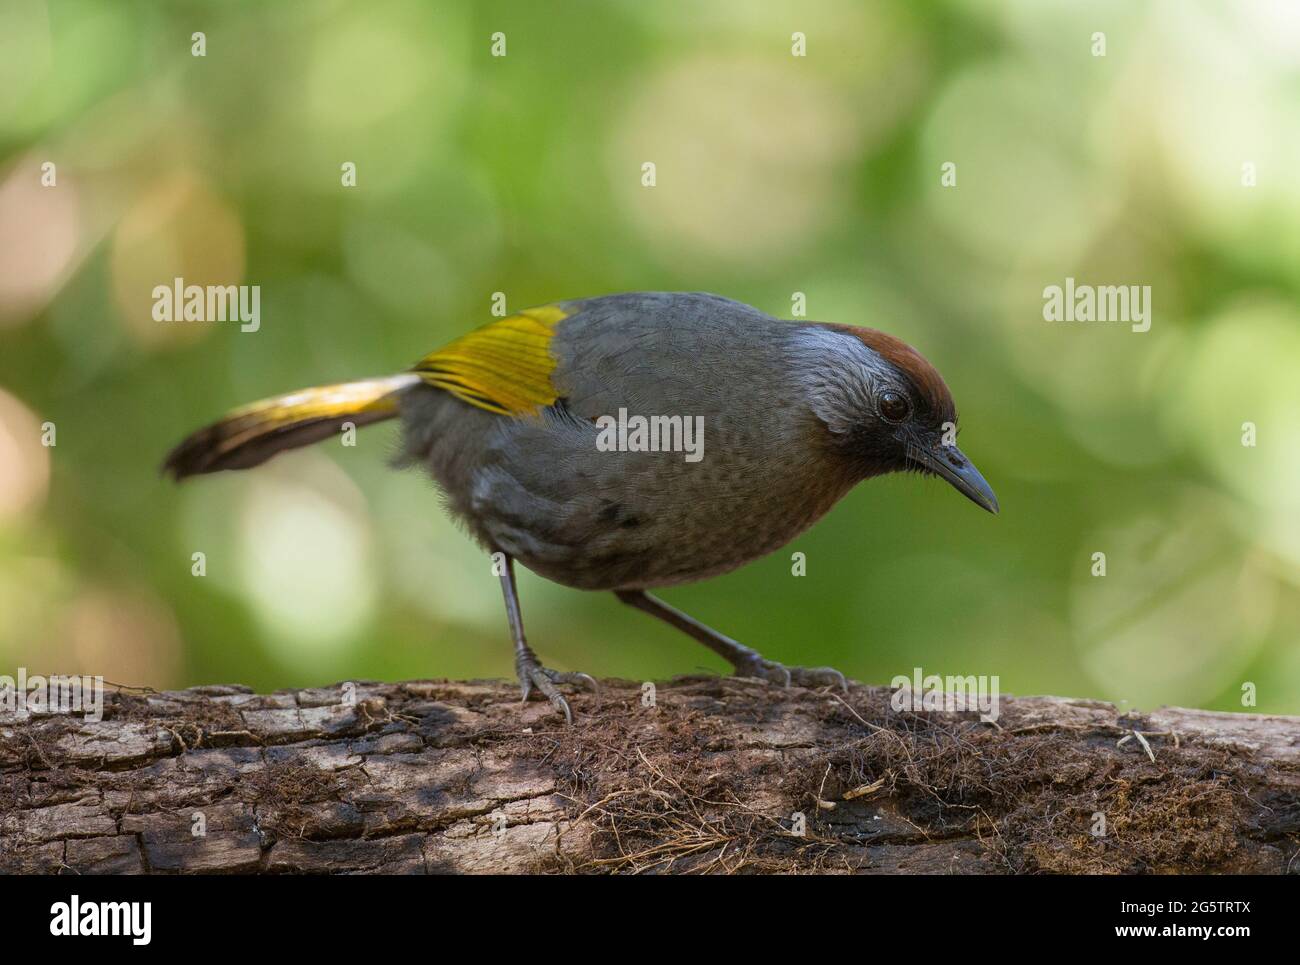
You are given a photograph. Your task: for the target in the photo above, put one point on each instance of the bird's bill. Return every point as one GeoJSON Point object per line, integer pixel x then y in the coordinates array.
{"type": "Point", "coordinates": [951, 463]}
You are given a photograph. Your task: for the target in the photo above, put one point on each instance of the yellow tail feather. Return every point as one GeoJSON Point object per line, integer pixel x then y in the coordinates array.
{"type": "Point", "coordinates": [252, 434]}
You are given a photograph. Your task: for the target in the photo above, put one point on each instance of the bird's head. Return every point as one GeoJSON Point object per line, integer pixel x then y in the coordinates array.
{"type": "Point", "coordinates": [885, 408]}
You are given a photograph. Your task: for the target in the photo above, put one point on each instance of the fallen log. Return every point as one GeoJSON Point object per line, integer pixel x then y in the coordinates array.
{"type": "Point", "coordinates": [699, 774]}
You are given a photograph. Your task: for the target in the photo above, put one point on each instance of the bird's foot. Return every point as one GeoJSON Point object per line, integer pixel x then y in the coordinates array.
{"type": "Point", "coordinates": [533, 674]}
{"type": "Point", "coordinates": [784, 676]}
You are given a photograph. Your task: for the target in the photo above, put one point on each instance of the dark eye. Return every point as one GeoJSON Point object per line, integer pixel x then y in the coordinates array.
{"type": "Point", "coordinates": [894, 407]}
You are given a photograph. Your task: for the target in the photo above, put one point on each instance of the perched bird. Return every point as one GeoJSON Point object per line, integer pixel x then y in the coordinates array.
{"type": "Point", "coordinates": [516, 422]}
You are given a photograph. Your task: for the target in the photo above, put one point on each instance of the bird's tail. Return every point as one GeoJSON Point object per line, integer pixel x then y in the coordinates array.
{"type": "Point", "coordinates": [250, 435]}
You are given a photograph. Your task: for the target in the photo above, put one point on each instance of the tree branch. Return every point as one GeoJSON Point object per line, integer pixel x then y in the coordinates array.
{"type": "Point", "coordinates": [460, 777]}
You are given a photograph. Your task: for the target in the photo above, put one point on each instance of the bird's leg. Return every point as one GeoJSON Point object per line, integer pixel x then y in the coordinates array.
{"type": "Point", "coordinates": [748, 663]}
{"type": "Point", "coordinates": [527, 666]}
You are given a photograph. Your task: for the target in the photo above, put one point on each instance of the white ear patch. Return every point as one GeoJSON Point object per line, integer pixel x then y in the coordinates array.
{"type": "Point", "coordinates": [840, 376]}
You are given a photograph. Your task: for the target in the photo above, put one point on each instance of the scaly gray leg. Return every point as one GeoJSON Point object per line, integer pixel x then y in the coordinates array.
{"type": "Point", "coordinates": [748, 663]}
{"type": "Point", "coordinates": [529, 669]}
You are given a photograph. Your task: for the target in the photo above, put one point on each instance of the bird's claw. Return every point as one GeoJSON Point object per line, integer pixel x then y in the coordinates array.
{"type": "Point", "coordinates": [818, 677]}
{"type": "Point", "coordinates": [784, 676]}
{"type": "Point", "coordinates": [532, 674]}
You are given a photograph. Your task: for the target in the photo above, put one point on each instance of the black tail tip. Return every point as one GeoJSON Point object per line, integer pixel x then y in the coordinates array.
{"type": "Point", "coordinates": [193, 457]}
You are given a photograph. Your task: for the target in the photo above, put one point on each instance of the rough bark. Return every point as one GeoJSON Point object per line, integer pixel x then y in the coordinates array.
{"type": "Point", "coordinates": [460, 777]}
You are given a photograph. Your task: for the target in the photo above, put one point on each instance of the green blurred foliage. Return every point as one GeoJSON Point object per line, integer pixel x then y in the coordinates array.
{"type": "Point", "coordinates": [776, 174]}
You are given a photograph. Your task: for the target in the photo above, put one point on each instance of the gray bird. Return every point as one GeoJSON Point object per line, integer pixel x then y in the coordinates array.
{"type": "Point", "coordinates": [635, 441]}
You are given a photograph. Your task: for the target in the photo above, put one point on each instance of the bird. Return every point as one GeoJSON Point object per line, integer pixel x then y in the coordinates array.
{"type": "Point", "coordinates": [534, 427]}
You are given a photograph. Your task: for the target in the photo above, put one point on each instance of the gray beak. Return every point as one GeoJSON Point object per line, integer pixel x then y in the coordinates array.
{"type": "Point", "coordinates": [951, 463]}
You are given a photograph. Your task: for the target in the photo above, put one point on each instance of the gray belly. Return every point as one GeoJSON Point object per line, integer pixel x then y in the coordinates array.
{"type": "Point", "coordinates": [542, 491]}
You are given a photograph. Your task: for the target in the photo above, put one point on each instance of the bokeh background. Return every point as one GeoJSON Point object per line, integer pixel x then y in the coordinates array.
{"type": "Point", "coordinates": [775, 174]}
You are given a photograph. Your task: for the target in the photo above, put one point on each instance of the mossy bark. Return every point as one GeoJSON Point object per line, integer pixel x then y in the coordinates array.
{"type": "Point", "coordinates": [714, 774]}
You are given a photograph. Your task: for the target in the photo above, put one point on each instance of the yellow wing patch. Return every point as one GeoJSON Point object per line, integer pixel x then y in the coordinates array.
{"type": "Point", "coordinates": [504, 367]}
